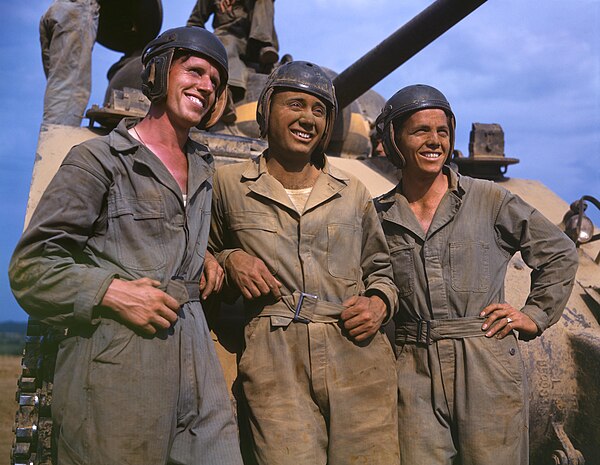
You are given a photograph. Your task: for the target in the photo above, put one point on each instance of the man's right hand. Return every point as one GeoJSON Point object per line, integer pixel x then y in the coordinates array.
{"type": "Point", "coordinates": [141, 305]}
{"type": "Point", "coordinates": [251, 275]}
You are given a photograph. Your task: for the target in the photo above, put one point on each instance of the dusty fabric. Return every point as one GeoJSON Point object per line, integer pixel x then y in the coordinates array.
{"type": "Point", "coordinates": [314, 396]}
{"type": "Point", "coordinates": [114, 210]}
{"type": "Point", "coordinates": [67, 35]}
{"type": "Point", "coordinates": [248, 19]}
{"type": "Point", "coordinates": [463, 399]}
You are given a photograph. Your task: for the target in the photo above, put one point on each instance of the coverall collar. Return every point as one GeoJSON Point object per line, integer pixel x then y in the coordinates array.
{"type": "Point", "coordinates": [330, 182]}
{"type": "Point", "coordinates": [199, 159]}
{"type": "Point", "coordinates": [401, 214]}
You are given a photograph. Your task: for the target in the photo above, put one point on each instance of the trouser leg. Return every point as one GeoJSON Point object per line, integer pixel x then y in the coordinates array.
{"type": "Point", "coordinates": [361, 384]}
{"type": "Point", "coordinates": [463, 401]}
{"type": "Point", "coordinates": [235, 48]}
{"type": "Point", "coordinates": [67, 35]}
{"type": "Point", "coordinates": [262, 26]}
{"type": "Point", "coordinates": [287, 425]}
{"type": "Point", "coordinates": [424, 429]}
{"type": "Point", "coordinates": [114, 404]}
{"type": "Point", "coordinates": [125, 399]}
{"type": "Point", "coordinates": [491, 403]}
{"type": "Point", "coordinates": [206, 433]}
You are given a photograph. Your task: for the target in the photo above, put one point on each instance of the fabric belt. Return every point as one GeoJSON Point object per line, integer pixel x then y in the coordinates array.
{"type": "Point", "coordinates": [183, 291]}
{"type": "Point", "coordinates": [430, 331]}
{"type": "Point", "coordinates": [304, 308]}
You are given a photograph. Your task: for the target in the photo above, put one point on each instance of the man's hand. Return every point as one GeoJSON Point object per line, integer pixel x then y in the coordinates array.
{"type": "Point", "coordinates": [141, 305]}
{"type": "Point", "coordinates": [212, 276]}
{"type": "Point", "coordinates": [363, 316]}
{"type": "Point", "coordinates": [251, 275]}
{"type": "Point", "coordinates": [503, 318]}
{"type": "Point", "coordinates": [225, 6]}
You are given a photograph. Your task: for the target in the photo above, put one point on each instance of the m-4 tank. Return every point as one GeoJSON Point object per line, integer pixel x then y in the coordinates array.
{"type": "Point", "coordinates": [563, 365]}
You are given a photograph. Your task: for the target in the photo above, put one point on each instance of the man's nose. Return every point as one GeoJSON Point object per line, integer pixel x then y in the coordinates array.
{"type": "Point", "coordinates": [433, 139]}
{"type": "Point", "coordinates": [205, 84]}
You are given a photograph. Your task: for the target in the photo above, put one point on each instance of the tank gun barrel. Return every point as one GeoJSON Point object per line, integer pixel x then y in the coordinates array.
{"type": "Point", "coordinates": [392, 52]}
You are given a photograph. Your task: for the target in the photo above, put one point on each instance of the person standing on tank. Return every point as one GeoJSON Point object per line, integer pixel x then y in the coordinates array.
{"type": "Point", "coordinates": [463, 394]}
{"type": "Point", "coordinates": [68, 31]}
{"type": "Point", "coordinates": [246, 28]}
{"type": "Point", "coordinates": [115, 254]}
{"type": "Point", "coordinates": [300, 240]}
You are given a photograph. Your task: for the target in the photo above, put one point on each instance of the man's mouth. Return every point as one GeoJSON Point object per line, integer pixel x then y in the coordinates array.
{"type": "Point", "coordinates": [195, 100]}
{"type": "Point", "coordinates": [302, 134]}
{"type": "Point", "coordinates": [431, 155]}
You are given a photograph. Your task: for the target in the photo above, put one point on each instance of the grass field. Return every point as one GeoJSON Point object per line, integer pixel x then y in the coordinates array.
{"type": "Point", "coordinates": [10, 369]}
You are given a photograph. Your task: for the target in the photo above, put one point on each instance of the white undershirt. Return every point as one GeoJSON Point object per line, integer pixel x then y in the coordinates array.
{"type": "Point", "coordinates": [299, 197]}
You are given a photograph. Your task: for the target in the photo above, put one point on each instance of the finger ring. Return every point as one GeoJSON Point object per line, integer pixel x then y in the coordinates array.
{"type": "Point", "coordinates": [509, 320]}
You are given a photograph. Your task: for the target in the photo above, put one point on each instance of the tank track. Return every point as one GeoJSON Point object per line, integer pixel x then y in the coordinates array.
{"type": "Point", "coordinates": [32, 429]}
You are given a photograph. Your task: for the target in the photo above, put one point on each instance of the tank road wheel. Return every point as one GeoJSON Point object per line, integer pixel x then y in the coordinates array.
{"type": "Point", "coordinates": [32, 444]}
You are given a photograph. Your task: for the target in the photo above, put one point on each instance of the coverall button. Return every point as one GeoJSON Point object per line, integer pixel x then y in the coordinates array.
{"type": "Point", "coordinates": [512, 351]}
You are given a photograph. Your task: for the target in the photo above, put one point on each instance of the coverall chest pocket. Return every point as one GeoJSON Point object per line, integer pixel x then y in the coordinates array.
{"type": "Point", "coordinates": [138, 226]}
{"type": "Point", "coordinates": [343, 251]}
{"type": "Point", "coordinates": [470, 266]}
{"type": "Point", "coordinates": [256, 233]}
{"type": "Point", "coordinates": [404, 268]}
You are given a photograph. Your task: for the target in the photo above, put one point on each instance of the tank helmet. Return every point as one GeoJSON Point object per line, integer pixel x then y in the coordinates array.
{"type": "Point", "coordinates": [305, 77]}
{"type": "Point", "coordinates": [400, 106]}
{"type": "Point", "coordinates": [158, 55]}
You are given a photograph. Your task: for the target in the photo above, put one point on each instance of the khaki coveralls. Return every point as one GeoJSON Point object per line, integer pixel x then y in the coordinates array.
{"type": "Point", "coordinates": [114, 210]}
{"type": "Point", "coordinates": [463, 397]}
{"type": "Point", "coordinates": [314, 396]}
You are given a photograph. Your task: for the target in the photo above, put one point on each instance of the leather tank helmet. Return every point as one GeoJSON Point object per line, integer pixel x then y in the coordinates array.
{"type": "Point", "coordinates": [400, 106]}
{"type": "Point", "coordinates": [304, 77]}
{"type": "Point", "coordinates": [158, 56]}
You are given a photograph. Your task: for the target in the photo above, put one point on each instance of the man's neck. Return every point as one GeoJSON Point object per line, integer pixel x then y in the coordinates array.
{"type": "Point", "coordinates": [424, 195]}
{"type": "Point", "coordinates": [159, 130]}
{"type": "Point", "coordinates": [167, 142]}
{"type": "Point", "coordinates": [292, 175]}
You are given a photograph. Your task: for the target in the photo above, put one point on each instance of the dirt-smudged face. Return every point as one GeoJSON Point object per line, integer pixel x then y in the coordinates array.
{"type": "Point", "coordinates": [193, 82]}
{"type": "Point", "coordinates": [297, 122]}
{"type": "Point", "coordinates": [424, 140]}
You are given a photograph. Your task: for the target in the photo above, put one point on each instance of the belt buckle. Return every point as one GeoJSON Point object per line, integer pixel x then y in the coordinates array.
{"type": "Point", "coordinates": [427, 331]}
{"type": "Point", "coordinates": [299, 308]}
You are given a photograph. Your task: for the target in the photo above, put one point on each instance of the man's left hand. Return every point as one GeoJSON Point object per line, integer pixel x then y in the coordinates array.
{"type": "Point", "coordinates": [503, 318]}
{"type": "Point", "coordinates": [363, 316]}
{"type": "Point", "coordinates": [212, 276]}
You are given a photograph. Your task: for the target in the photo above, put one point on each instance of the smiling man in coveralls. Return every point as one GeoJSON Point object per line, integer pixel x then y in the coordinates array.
{"type": "Point", "coordinates": [462, 390]}
{"type": "Point", "coordinates": [300, 239]}
{"type": "Point", "coordinates": [115, 253]}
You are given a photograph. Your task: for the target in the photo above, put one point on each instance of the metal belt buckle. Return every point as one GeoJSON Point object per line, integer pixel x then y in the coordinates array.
{"type": "Point", "coordinates": [427, 330]}
{"type": "Point", "coordinates": [299, 307]}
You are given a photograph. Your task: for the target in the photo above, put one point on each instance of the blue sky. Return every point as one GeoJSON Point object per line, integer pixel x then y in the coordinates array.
{"type": "Point", "coordinates": [532, 66]}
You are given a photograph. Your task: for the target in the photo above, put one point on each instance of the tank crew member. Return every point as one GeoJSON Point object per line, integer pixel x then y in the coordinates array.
{"type": "Point", "coordinates": [462, 392]}
{"type": "Point", "coordinates": [300, 239]}
{"type": "Point", "coordinates": [246, 28]}
{"type": "Point", "coordinates": [115, 253]}
{"type": "Point", "coordinates": [67, 35]}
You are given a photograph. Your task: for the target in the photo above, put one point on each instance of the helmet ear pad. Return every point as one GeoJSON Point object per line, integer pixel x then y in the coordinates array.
{"type": "Point", "coordinates": [215, 113]}
{"type": "Point", "coordinates": [388, 140]}
{"type": "Point", "coordinates": [155, 76]}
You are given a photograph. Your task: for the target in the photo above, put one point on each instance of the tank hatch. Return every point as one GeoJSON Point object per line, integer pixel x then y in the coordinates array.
{"type": "Point", "coordinates": [486, 153]}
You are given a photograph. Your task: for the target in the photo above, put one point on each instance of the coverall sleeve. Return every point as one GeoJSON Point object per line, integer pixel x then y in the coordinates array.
{"type": "Point", "coordinates": [546, 250]}
{"type": "Point", "coordinates": [375, 261]}
{"type": "Point", "coordinates": [201, 13]}
{"type": "Point", "coordinates": [218, 242]}
{"type": "Point", "coordinates": [51, 275]}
